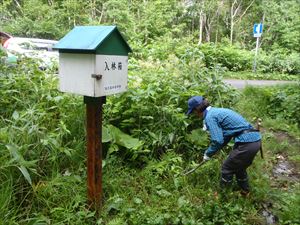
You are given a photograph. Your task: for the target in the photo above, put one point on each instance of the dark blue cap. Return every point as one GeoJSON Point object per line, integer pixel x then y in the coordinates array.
{"type": "Point", "coordinates": [193, 102]}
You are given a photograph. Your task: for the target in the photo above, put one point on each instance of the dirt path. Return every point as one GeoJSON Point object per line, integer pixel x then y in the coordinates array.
{"type": "Point", "coordinates": [240, 84]}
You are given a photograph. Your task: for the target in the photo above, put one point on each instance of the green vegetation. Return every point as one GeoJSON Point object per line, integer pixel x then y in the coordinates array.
{"type": "Point", "coordinates": [147, 139]}
{"type": "Point", "coordinates": [216, 32]}
{"type": "Point", "coordinates": [148, 144]}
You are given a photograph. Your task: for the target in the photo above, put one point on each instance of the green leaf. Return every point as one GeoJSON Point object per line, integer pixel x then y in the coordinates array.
{"type": "Point", "coordinates": [182, 201]}
{"type": "Point", "coordinates": [15, 153]}
{"type": "Point", "coordinates": [123, 139]}
{"type": "Point", "coordinates": [15, 115]}
{"type": "Point", "coordinates": [115, 205]}
{"type": "Point", "coordinates": [163, 193]}
{"type": "Point", "coordinates": [18, 158]}
{"type": "Point", "coordinates": [113, 148]}
{"type": "Point", "coordinates": [137, 200]}
{"type": "Point", "coordinates": [106, 136]}
{"type": "Point", "coordinates": [25, 173]}
{"type": "Point", "coordinates": [198, 137]}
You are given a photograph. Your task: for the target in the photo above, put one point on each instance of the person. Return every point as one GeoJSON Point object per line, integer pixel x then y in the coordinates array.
{"type": "Point", "coordinates": [223, 125]}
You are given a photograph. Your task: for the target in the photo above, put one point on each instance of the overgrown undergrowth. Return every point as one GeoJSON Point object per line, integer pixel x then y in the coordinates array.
{"type": "Point", "coordinates": [148, 144]}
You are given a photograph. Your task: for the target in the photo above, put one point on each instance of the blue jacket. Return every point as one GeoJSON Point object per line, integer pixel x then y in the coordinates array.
{"type": "Point", "coordinates": [224, 124]}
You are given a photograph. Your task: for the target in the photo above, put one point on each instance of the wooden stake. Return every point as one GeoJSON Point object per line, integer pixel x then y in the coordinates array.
{"type": "Point", "coordinates": [94, 150]}
{"type": "Point", "coordinates": [258, 128]}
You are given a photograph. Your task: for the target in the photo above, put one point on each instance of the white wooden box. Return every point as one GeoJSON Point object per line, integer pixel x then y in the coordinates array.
{"type": "Point", "coordinates": [78, 72]}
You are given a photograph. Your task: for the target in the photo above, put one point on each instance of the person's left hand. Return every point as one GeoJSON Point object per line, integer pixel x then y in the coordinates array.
{"type": "Point", "coordinates": [206, 157]}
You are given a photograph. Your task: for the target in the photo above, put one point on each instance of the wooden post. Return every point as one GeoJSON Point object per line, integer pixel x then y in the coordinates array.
{"type": "Point", "coordinates": [94, 149]}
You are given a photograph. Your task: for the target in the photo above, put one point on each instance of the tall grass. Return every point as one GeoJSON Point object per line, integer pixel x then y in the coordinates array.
{"type": "Point", "coordinates": [42, 151]}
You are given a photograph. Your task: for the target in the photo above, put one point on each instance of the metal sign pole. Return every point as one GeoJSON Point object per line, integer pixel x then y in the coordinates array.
{"type": "Point", "coordinates": [257, 32]}
{"type": "Point", "coordinates": [94, 150]}
{"type": "Point", "coordinates": [256, 53]}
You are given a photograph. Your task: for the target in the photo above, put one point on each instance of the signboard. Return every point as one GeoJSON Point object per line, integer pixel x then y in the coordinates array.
{"type": "Point", "coordinates": [93, 62]}
{"type": "Point", "coordinates": [76, 73]}
{"type": "Point", "coordinates": [257, 29]}
{"type": "Point", "coordinates": [114, 74]}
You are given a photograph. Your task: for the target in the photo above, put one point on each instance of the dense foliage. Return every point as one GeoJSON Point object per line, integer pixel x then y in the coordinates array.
{"type": "Point", "coordinates": [217, 31]}
{"type": "Point", "coordinates": [145, 21]}
{"type": "Point", "coordinates": [148, 143]}
{"type": "Point", "coordinates": [180, 49]}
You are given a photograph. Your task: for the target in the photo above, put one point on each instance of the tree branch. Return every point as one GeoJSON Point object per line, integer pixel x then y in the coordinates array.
{"type": "Point", "coordinates": [245, 11]}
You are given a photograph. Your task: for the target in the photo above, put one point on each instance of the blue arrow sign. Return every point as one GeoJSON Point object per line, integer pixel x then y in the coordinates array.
{"type": "Point", "coordinates": [257, 29]}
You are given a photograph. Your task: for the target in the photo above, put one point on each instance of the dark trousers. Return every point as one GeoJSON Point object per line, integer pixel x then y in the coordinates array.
{"type": "Point", "coordinates": [239, 159]}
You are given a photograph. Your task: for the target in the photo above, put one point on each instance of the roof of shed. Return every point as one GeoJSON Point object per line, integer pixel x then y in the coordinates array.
{"type": "Point", "coordinates": [88, 38]}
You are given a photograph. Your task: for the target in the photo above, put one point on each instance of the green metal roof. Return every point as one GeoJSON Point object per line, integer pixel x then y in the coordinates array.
{"type": "Point", "coordinates": [90, 39]}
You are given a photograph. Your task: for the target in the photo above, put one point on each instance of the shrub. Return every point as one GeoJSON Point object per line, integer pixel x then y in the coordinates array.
{"type": "Point", "coordinates": [154, 108]}
{"type": "Point", "coordinates": [279, 61]}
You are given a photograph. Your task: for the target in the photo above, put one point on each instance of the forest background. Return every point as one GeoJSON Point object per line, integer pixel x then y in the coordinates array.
{"type": "Point", "coordinates": [158, 28]}
{"type": "Point", "coordinates": [180, 49]}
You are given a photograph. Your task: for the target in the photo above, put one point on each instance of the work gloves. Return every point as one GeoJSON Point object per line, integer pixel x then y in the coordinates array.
{"type": "Point", "coordinates": [206, 157]}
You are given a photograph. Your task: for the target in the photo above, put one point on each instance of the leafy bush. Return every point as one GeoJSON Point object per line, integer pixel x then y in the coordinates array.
{"type": "Point", "coordinates": [231, 57]}
{"type": "Point", "coordinates": [148, 138]}
{"type": "Point", "coordinates": [153, 110]}
{"type": "Point", "coordinates": [288, 207]}
{"type": "Point", "coordinates": [42, 130]}
{"type": "Point", "coordinates": [275, 103]}
{"type": "Point", "coordinates": [206, 55]}
{"type": "Point", "coordinates": [285, 103]}
{"type": "Point", "coordinates": [279, 61]}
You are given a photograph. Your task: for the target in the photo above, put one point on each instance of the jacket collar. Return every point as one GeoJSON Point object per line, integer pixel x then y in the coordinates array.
{"type": "Point", "coordinates": [205, 111]}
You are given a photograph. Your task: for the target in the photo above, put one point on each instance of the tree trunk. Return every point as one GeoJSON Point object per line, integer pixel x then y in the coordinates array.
{"type": "Point", "coordinates": [231, 30]}
{"type": "Point", "coordinates": [217, 29]}
{"type": "Point", "coordinates": [207, 29]}
{"type": "Point", "coordinates": [220, 5]}
{"type": "Point", "coordinates": [200, 27]}
{"type": "Point", "coordinates": [93, 9]}
{"type": "Point", "coordinates": [101, 14]}
{"type": "Point", "coordinates": [232, 15]}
